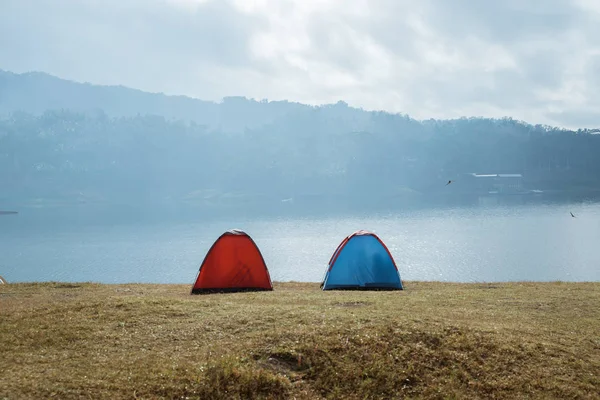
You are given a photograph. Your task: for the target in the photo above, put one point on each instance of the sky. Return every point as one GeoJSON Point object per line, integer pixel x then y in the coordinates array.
{"type": "Point", "coordinates": [533, 60]}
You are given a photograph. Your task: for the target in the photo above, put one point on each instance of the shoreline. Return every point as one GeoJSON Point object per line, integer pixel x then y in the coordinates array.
{"type": "Point", "coordinates": [282, 285]}
{"type": "Point", "coordinates": [293, 282]}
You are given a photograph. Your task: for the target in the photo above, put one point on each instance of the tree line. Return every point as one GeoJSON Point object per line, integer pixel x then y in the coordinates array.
{"type": "Point", "coordinates": [313, 151]}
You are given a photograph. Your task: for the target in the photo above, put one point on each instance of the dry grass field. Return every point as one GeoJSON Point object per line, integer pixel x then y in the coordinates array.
{"type": "Point", "coordinates": [430, 341]}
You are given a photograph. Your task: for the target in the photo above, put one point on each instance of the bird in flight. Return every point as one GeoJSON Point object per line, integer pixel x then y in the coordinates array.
{"type": "Point", "coordinates": [572, 215]}
{"type": "Point", "coordinates": [449, 182]}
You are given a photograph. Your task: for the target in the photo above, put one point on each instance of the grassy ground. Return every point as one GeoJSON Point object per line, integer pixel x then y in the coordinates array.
{"type": "Point", "coordinates": [433, 340]}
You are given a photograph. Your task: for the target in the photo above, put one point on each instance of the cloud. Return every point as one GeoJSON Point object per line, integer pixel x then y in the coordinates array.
{"type": "Point", "coordinates": [536, 60]}
{"type": "Point", "coordinates": [151, 44]}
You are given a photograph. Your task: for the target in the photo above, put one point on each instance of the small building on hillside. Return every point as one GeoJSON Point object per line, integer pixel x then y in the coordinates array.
{"type": "Point", "coordinates": [496, 183]}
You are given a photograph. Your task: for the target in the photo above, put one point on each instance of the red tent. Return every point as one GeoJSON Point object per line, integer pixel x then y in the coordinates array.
{"type": "Point", "coordinates": [233, 264]}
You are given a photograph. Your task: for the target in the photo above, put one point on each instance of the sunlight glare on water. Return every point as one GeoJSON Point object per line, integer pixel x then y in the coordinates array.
{"type": "Point", "coordinates": [540, 243]}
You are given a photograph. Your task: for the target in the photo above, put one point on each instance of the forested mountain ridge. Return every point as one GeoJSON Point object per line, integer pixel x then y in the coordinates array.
{"type": "Point", "coordinates": [37, 92]}
{"type": "Point", "coordinates": [67, 142]}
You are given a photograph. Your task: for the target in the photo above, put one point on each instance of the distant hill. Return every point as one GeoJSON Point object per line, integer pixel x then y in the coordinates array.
{"type": "Point", "coordinates": [64, 143]}
{"type": "Point", "coordinates": [37, 92]}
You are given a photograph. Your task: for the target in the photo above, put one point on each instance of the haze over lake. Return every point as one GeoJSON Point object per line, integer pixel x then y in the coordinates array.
{"type": "Point", "coordinates": [471, 244]}
{"type": "Point", "coordinates": [114, 185]}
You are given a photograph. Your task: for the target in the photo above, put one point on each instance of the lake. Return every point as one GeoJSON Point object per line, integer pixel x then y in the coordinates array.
{"type": "Point", "coordinates": [471, 244]}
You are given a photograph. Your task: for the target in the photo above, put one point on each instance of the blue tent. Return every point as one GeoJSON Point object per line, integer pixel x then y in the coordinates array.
{"type": "Point", "coordinates": [362, 262]}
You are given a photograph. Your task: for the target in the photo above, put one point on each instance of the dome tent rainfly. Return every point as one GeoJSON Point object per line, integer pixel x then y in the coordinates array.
{"type": "Point", "coordinates": [233, 264]}
{"type": "Point", "coordinates": [362, 262]}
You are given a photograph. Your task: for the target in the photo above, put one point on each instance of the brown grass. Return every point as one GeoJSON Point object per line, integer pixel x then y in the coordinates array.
{"type": "Point", "coordinates": [433, 340]}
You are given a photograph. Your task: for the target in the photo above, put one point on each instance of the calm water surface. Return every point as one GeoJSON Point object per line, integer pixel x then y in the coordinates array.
{"type": "Point", "coordinates": [541, 243]}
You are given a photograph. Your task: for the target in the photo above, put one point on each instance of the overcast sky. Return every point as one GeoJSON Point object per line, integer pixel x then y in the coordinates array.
{"type": "Point", "coordinates": [535, 60]}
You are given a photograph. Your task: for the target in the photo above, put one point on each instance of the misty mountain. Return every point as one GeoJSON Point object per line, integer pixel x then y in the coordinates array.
{"type": "Point", "coordinates": [67, 143]}
{"type": "Point", "coordinates": [36, 92]}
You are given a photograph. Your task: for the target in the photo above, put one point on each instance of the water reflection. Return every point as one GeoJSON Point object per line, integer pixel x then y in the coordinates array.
{"type": "Point", "coordinates": [483, 243]}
